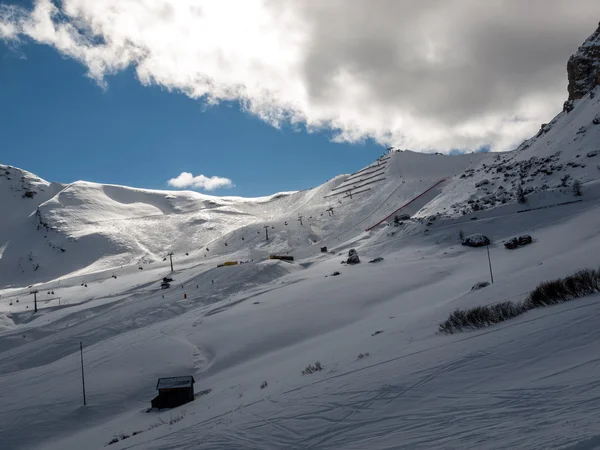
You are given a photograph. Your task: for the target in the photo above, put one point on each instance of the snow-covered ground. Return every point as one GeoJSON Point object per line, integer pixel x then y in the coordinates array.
{"type": "Point", "coordinates": [96, 254]}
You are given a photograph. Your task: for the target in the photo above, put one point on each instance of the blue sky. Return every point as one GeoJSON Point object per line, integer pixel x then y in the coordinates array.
{"type": "Point", "coordinates": [402, 77]}
{"type": "Point", "coordinates": [60, 125]}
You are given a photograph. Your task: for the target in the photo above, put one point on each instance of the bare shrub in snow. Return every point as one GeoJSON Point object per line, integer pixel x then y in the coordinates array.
{"type": "Point", "coordinates": [576, 186]}
{"type": "Point", "coordinates": [480, 317]}
{"type": "Point", "coordinates": [317, 367]}
{"type": "Point", "coordinates": [362, 355]}
{"type": "Point", "coordinates": [171, 421]}
{"type": "Point", "coordinates": [521, 195]}
{"type": "Point", "coordinates": [580, 284]}
{"type": "Point", "coordinates": [118, 437]}
{"type": "Point", "coordinates": [264, 384]}
{"type": "Point", "coordinates": [177, 418]}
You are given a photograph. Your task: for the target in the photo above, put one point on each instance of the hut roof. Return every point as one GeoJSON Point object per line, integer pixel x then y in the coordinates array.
{"type": "Point", "coordinates": [175, 382]}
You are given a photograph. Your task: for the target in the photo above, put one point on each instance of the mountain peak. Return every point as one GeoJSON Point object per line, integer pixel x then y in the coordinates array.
{"type": "Point", "coordinates": [583, 67]}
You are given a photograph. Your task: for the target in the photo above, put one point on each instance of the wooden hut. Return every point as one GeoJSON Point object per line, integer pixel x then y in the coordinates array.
{"type": "Point", "coordinates": [174, 391]}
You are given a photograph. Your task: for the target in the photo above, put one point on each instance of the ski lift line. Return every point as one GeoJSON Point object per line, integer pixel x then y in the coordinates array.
{"type": "Point", "coordinates": [382, 160]}
{"type": "Point", "coordinates": [362, 180]}
{"type": "Point", "coordinates": [357, 192]}
{"type": "Point", "coordinates": [370, 214]}
{"type": "Point", "coordinates": [406, 204]}
{"type": "Point", "coordinates": [356, 183]}
{"type": "Point", "coordinates": [367, 170]}
{"type": "Point", "coordinates": [354, 177]}
{"type": "Point", "coordinates": [355, 188]}
{"type": "Point", "coordinates": [365, 173]}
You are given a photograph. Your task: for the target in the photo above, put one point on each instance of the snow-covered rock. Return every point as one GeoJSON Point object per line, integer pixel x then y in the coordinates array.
{"type": "Point", "coordinates": [480, 285]}
{"type": "Point", "coordinates": [352, 257]}
{"type": "Point", "coordinates": [476, 240]}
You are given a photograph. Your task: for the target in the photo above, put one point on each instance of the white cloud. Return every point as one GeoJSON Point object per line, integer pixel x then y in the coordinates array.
{"type": "Point", "coordinates": [187, 180]}
{"type": "Point", "coordinates": [425, 75]}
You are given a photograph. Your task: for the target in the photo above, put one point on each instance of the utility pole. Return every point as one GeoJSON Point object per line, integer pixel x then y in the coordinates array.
{"type": "Point", "coordinates": [34, 299]}
{"type": "Point", "coordinates": [82, 375]}
{"type": "Point", "coordinates": [170, 255]}
{"type": "Point", "coordinates": [490, 263]}
{"type": "Point", "coordinates": [266, 227]}
{"type": "Point", "coordinates": [300, 220]}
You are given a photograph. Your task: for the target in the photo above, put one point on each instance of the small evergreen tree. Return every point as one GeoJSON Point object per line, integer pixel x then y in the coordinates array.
{"type": "Point", "coordinates": [577, 188]}
{"type": "Point", "coordinates": [396, 220]}
{"type": "Point", "coordinates": [521, 195]}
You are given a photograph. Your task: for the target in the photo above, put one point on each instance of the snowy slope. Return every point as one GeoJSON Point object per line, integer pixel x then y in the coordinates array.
{"type": "Point", "coordinates": [235, 327]}
{"type": "Point", "coordinates": [268, 320]}
{"type": "Point", "coordinates": [88, 227]}
{"type": "Point", "coordinates": [389, 380]}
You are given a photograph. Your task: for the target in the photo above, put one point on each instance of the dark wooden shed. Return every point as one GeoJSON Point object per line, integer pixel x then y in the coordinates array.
{"type": "Point", "coordinates": [174, 391]}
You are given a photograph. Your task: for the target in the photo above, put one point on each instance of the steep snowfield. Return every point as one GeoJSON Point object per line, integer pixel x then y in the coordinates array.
{"type": "Point", "coordinates": [530, 382]}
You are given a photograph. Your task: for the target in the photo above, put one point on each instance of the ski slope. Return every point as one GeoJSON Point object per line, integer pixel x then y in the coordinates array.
{"type": "Point", "coordinates": [268, 320]}
{"type": "Point", "coordinates": [88, 227]}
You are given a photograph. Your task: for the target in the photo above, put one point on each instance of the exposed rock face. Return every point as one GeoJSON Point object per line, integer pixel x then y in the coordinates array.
{"type": "Point", "coordinates": [583, 67]}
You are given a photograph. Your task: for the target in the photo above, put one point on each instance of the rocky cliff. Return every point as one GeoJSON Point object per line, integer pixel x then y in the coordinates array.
{"type": "Point", "coordinates": [583, 67]}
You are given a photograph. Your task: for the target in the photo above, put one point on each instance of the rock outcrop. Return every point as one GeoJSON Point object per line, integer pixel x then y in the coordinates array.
{"type": "Point", "coordinates": [476, 240]}
{"type": "Point", "coordinates": [353, 257]}
{"type": "Point", "coordinates": [583, 67]}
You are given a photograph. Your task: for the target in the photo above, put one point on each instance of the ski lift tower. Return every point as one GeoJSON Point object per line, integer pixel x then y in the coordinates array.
{"type": "Point", "coordinates": [34, 292]}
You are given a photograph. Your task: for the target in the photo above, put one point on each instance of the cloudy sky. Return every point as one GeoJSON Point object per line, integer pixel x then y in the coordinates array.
{"type": "Point", "coordinates": [431, 75]}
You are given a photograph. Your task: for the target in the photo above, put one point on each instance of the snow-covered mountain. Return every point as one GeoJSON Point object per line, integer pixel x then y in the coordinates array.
{"type": "Point", "coordinates": [87, 227]}
{"type": "Point", "coordinates": [246, 332]}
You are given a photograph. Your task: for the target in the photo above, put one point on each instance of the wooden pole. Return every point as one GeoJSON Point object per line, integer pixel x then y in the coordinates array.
{"type": "Point", "coordinates": [490, 263]}
{"type": "Point", "coordinates": [171, 259]}
{"type": "Point", "coordinates": [82, 374]}
{"type": "Point", "coordinates": [34, 300]}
